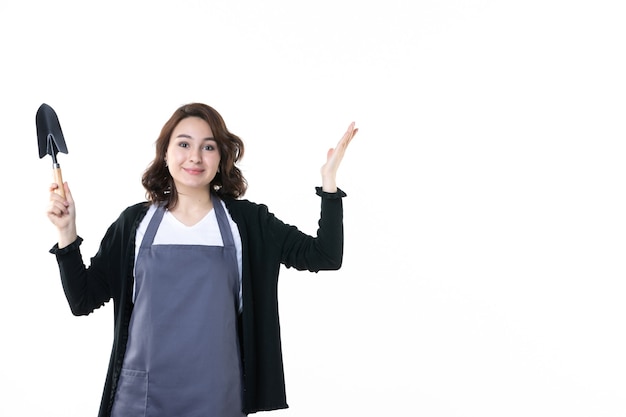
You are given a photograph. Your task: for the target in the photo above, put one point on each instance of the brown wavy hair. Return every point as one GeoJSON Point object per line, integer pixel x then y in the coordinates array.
{"type": "Point", "coordinates": [229, 182]}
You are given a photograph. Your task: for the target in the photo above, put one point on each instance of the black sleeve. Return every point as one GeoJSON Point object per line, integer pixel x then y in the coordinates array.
{"type": "Point", "coordinates": [314, 253]}
{"type": "Point", "coordinates": [88, 288]}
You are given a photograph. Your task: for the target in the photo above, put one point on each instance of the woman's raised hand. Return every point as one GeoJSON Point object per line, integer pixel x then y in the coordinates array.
{"type": "Point", "coordinates": [334, 158]}
{"type": "Point", "coordinates": [62, 213]}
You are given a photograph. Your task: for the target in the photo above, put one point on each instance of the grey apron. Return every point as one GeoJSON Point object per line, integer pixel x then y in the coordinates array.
{"type": "Point", "coordinates": [182, 357]}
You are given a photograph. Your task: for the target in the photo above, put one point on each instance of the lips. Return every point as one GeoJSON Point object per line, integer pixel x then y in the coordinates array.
{"type": "Point", "coordinates": [193, 171]}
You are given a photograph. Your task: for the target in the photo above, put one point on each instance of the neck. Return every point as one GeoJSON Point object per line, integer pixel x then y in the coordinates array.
{"type": "Point", "coordinates": [190, 209]}
{"type": "Point", "coordinates": [194, 201]}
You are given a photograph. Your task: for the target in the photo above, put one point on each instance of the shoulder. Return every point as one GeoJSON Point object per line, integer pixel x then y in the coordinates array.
{"type": "Point", "coordinates": [125, 225]}
{"type": "Point", "coordinates": [243, 206]}
{"type": "Point", "coordinates": [132, 215]}
{"type": "Point", "coordinates": [246, 211]}
{"type": "Point", "coordinates": [138, 209]}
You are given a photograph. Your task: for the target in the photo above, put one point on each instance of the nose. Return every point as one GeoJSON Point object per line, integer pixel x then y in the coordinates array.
{"type": "Point", "coordinates": [195, 156]}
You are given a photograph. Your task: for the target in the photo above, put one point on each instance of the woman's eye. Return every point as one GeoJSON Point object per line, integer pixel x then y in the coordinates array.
{"type": "Point", "coordinates": [209, 148]}
{"type": "Point", "coordinates": [183, 144]}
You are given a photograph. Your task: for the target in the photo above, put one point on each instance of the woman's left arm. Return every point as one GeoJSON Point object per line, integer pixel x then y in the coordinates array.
{"type": "Point", "coordinates": [325, 250]}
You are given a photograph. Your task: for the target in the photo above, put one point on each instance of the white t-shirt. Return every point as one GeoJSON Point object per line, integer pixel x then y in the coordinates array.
{"type": "Point", "coordinates": [206, 232]}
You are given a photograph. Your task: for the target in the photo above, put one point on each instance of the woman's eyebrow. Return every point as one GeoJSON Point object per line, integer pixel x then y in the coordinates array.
{"type": "Point", "coordinates": [186, 136]}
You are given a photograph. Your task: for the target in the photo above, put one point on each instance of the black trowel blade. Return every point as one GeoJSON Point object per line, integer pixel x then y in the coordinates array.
{"type": "Point", "coordinates": [49, 134]}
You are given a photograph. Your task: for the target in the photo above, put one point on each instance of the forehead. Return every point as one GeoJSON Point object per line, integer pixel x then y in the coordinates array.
{"type": "Point", "coordinates": [193, 126]}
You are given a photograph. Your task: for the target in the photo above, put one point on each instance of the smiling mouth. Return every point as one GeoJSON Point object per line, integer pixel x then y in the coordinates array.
{"type": "Point", "coordinates": [193, 171]}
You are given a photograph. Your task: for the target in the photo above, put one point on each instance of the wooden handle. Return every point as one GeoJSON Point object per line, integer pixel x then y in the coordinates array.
{"type": "Point", "coordinates": [58, 178]}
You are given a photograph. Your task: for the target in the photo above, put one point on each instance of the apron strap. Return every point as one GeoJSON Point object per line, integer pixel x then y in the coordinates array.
{"type": "Point", "coordinates": [222, 222]}
{"type": "Point", "coordinates": [220, 214]}
{"type": "Point", "coordinates": [153, 226]}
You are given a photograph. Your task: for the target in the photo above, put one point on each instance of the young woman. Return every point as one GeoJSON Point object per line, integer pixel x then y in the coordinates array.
{"type": "Point", "coordinates": [193, 275]}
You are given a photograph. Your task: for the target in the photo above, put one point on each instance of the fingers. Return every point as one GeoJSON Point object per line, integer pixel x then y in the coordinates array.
{"type": "Point", "coordinates": [335, 155]}
{"type": "Point", "coordinates": [68, 193]}
{"type": "Point", "coordinates": [352, 129]}
{"type": "Point", "coordinates": [66, 188]}
{"type": "Point", "coordinates": [346, 139]}
{"type": "Point", "coordinates": [58, 205]}
{"type": "Point", "coordinates": [349, 135]}
{"type": "Point", "coordinates": [56, 211]}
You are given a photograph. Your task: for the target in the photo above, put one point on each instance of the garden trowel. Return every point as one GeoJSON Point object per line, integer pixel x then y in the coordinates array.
{"type": "Point", "coordinates": [51, 141]}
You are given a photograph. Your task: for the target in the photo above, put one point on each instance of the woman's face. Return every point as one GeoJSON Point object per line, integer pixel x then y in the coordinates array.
{"type": "Point", "coordinates": [192, 155]}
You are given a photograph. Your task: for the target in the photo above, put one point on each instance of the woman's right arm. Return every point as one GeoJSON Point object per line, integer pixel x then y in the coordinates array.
{"type": "Point", "coordinates": [85, 288]}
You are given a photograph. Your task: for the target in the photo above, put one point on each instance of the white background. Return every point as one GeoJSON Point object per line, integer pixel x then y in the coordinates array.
{"type": "Point", "coordinates": [484, 269]}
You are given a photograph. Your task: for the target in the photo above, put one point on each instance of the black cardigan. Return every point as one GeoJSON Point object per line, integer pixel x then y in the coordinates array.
{"type": "Point", "coordinates": [267, 243]}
